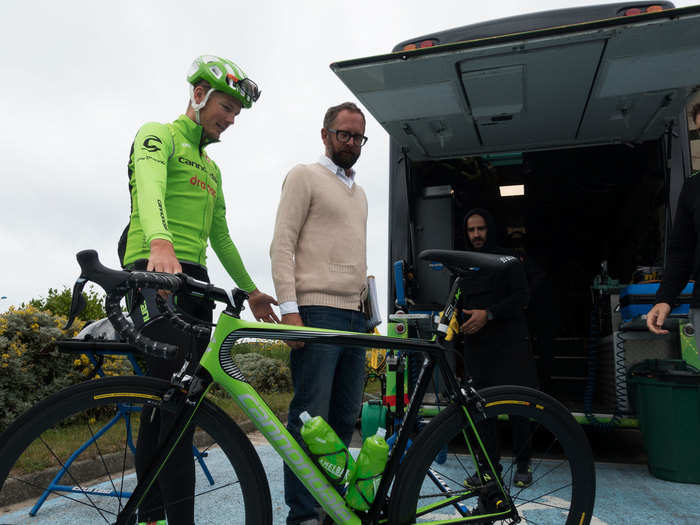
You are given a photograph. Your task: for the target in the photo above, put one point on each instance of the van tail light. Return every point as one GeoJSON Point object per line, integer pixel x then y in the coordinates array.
{"type": "Point", "coordinates": [654, 8]}
{"type": "Point", "coordinates": [420, 44]}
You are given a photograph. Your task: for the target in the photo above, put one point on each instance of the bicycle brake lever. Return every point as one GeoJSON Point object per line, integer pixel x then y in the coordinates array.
{"type": "Point", "coordinates": [77, 302]}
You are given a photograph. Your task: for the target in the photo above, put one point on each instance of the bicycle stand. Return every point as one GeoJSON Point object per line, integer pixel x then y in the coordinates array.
{"type": "Point", "coordinates": [96, 350]}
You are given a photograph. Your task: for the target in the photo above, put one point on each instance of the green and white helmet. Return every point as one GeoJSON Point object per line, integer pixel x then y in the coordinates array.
{"type": "Point", "coordinates": [222, 75]}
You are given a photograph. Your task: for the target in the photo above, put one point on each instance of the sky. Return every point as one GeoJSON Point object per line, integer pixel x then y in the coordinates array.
{"type": "Point", "coordinates": [80, 78]}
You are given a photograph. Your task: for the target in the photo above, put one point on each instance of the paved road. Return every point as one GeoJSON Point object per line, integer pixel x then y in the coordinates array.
{"type": "Point", "coordinates": [625, 494]}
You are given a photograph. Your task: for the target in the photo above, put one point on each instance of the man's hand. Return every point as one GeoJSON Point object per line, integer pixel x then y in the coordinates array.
{"type": "Point", "coordinates": [261, 306]}
{"type": "Point", "coordinates": [162, 257]}
{"type": "Point", "coordinates": [295, 320]}
{"type": "Point", "coordinates": [476, 321]}
{"type": "Point", "coordinates": [657, 316]}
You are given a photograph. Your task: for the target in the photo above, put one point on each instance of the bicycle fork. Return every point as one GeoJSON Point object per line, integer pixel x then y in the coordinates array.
{"type": "Point", "coordinates": [193, 390]}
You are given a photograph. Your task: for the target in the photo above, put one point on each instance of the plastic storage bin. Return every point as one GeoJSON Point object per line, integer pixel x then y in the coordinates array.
{"type": "Point", "coordinates": [637, 299]}
{"type": "Point", "coordinates": [667, 402]}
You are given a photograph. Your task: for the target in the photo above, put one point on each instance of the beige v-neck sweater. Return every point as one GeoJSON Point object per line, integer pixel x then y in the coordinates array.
{"type": "Point", "coordinates": [318, 251]}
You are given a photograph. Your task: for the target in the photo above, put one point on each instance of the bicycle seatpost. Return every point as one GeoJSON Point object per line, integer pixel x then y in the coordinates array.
{"type": "Point", "coordinates": [450, 305]}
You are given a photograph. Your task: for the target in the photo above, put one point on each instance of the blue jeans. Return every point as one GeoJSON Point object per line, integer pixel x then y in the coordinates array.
{"type": "Point", "coordinates": [328, 382]}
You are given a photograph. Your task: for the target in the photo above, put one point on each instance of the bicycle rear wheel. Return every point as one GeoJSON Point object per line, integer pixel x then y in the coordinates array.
{"type": "Point", "coordinates": [562, 489]}
{"type": "Point", "coordinates": [70, 458]}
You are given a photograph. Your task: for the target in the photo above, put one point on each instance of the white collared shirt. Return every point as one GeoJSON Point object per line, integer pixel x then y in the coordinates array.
{"type": "Point", "coordinates": [340, 172]}
{"type": "Point", "coordinates": [291, 307]}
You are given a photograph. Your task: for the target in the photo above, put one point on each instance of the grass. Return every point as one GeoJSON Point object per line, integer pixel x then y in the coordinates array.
{"type": "Point", "coordinates": [62, 441]}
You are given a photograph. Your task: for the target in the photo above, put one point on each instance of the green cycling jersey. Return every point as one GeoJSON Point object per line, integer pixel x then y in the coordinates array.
{"type": "Point", "coordinates": [176, 195]}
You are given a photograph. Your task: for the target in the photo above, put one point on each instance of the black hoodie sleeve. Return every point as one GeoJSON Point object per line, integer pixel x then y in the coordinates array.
{"type": "Point", "coordinates": [516, 297]}
{"type": "Point", "coordinates": [682, 247]}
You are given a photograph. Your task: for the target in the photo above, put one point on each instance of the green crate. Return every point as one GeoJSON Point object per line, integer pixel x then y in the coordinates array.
{"type": "Point", "coordinates": [667, 401]}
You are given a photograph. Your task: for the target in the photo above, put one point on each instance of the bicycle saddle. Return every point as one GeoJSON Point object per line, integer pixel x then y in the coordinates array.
{"type": "Point", "coordinates": [462, 262]}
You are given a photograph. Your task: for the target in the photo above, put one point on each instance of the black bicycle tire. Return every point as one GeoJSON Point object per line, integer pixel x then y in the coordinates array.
{"type": "Point", "coordinates": [227, 434]}
{"type": "Point", "coordinates": [537, 406]}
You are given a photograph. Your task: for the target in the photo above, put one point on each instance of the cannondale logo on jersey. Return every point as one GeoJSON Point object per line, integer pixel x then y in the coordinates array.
{"type": "Point", "coordinates": [149, 143]}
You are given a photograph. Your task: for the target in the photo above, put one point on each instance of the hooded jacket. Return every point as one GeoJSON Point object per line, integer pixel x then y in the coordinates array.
{"type": "Point", "coordinates": [498, 353]}
{"type": "Point", "coordinates": [504, 294]}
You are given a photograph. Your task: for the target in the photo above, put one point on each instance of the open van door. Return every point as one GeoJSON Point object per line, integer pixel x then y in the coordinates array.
{"type": "Point", "coordinates": [612, 81]}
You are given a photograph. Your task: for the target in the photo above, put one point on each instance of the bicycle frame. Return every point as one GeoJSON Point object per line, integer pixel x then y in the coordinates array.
{"type": "Point", "coordinates": [217, 366]}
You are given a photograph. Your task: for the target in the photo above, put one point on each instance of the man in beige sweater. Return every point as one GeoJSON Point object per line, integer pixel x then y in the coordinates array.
{"type": "Point", "coordinates": [319, 269]}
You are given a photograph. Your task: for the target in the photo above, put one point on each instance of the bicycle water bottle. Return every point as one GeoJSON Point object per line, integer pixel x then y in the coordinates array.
{"type": "Point", "coordinates": [331, 453]}
{"type": "Point", "coordinates": [368, 471]}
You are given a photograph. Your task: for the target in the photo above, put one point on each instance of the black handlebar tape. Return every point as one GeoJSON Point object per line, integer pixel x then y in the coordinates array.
{"type": "Point", "coordinates": [123, 327]}
{"type": "Point", "coordinates": [158, 281]}
{"type": "Point", "coordinates": [172, 316]}
{"type": "Point", "coordinates": [116, 283]}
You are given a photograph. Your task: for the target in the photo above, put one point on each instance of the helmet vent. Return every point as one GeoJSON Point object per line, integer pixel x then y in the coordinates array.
{"type": "Point", "coordinates": [215, 71]}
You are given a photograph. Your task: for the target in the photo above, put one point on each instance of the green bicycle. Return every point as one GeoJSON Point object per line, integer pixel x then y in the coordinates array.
{"type": "Point", "coordinates": [420, 484]}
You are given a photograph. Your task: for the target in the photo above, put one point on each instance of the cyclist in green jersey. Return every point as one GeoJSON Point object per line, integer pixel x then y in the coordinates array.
{"type": "Point", "coordinates": [177, 209]}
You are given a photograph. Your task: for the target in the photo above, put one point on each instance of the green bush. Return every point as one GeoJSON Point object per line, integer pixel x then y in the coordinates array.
{"type": "Point", "coordinates": [58, 303]}
{"type": "Point", "coordinates": [272, 349]}
{"type": "Point", "coordinates": [263, 373]}
{"type": "Point", "coordinates": [26, 373]}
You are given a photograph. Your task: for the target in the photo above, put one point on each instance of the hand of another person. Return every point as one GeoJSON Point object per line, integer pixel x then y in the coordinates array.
{"type": "Point", "coordinates": [476, 321]}
{"type": "Point", "coordinates": [295, 320]}
{"type": "Point", "coordinates": [261, 306]}
{"type": "Point", "coordinates": [656, 317]}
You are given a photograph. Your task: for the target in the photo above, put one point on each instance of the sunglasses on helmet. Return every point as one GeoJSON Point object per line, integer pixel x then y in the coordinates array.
{"type": "Point", "coordinates": [247, 86]}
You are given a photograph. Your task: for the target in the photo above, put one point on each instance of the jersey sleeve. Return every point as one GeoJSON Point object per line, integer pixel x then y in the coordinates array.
{"type": "Point", "coordinates": [679, 265]}
{"type": "Point", "coordinates": [223, 246]}
{"type": "Point", "coordinates": [152, 148]}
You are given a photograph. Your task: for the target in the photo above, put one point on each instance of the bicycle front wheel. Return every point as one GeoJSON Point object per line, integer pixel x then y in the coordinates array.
{"type": "Point", "coordinates": [546, 465]}
{"type": "Point", "coordinates": [70, 458]}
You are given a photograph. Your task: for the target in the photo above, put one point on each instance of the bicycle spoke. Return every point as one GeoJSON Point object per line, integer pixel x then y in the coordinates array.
{"type": "Point", "coordinates": [75, 482]}
{"type": "Point", "coordinates": [60, 494]}
{"type": "Point", "coordinates": [541, 503]}
{"type": "Point", "coordinates": [102, 460]}
{"type": "Point", "coordinates": [127, 429]}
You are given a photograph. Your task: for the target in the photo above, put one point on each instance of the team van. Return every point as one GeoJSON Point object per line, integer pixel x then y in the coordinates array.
{"type": "Point", "coordinates": [572, 128]}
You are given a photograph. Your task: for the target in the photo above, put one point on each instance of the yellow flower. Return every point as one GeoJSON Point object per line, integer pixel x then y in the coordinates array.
{"type": "Point", "coordinates": [35, 327]}
{"type": "Point", "coordinates": [77, 362]}
{"type": "Point", "coordinates": [5, 356]}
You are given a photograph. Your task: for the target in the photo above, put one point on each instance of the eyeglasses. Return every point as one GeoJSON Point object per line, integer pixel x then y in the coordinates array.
{"type": "Point", "coordinates": [345, 136]}
{"type": "Point", "coordinates": [250, 89]}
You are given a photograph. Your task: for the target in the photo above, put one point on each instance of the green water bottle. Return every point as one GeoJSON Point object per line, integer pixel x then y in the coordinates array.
{"type": "Point", "coordinates": [368, 471]}
{"type": "Point", "coordinates": [331, 453]}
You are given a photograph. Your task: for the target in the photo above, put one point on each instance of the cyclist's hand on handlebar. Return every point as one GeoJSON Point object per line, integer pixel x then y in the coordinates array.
{"type": "Point", "coordinates": [656, 317]}
{"type": "Point", "coordinates": [477, 320]}
{"type": "Point", "coordinates": [261, 306]}
{"type": "Point", "coordinates": [295, 320]}
{"type": "Point", "coordinates": [162, 257]}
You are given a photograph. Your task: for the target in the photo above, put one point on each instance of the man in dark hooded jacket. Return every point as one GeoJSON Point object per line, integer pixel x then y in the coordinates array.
{"type": "Point", "coordinates": [495, 332]}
